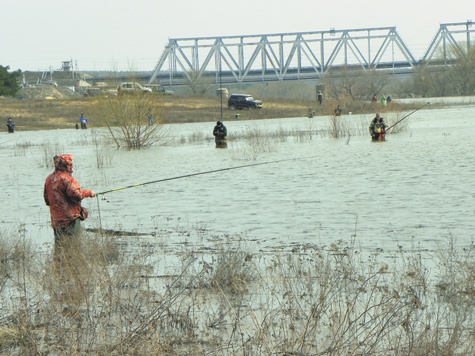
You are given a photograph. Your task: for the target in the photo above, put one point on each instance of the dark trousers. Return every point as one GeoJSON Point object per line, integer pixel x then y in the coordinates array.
{"type": "Point", "coordinates": [66, 239]}
{"type": "Point", "coordinates": [221, 142]}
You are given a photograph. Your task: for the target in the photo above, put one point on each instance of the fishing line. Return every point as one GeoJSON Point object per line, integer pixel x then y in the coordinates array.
{"type": "Point", "coordinates": [178, 177]}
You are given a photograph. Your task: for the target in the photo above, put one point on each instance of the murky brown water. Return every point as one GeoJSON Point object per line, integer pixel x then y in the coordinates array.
{"type": "Point", "coordinates": [415, 189]}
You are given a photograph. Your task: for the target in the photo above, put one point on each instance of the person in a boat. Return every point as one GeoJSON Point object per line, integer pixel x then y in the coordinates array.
{"type": "Point", "coordinates": [377, 128]}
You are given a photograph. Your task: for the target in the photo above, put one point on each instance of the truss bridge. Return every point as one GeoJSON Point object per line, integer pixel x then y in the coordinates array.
{"type": "Point", "coordinates": [301, 56]}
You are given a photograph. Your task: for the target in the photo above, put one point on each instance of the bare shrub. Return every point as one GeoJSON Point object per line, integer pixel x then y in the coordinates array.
{"type": "Point", "coordinates": [394, 121]}
{"type": "Point", "coordinates": [256, 141]}
{"type": "Point", "coordinates": [48, 151]}
{"type": "Point", "coordinates": [127, 118]}
{"type": "Point", "coordinates": [103, 157]}
{"type": "Point", "coordinates": [233, 270]}
{"type": "Point", "coordinates": [338, 127]}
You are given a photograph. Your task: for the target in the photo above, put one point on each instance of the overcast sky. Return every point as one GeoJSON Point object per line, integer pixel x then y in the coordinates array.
{"type": "Point", "coordinates": [131, 35]}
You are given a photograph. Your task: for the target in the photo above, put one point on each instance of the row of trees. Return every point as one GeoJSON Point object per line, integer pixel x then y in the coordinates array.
{"type": "Point", "coordinates": [455, 78]}
{"type": "Point", "coordinates": [9, 81]}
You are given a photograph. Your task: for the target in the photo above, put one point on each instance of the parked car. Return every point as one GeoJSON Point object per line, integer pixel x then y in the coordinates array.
{"type": "Point", "coordinates": [243, 101]}
{"type": "Point", "coordinates": [133, 88]}
{"type": "Point", "coordinates": [222, 93]}
{"type": "Point", "coordinates": [159, 89]}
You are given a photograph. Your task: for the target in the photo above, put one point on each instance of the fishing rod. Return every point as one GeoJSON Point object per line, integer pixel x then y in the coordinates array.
{"type": "Point", "coordinates": [189, 175]}
{"type": "Point", "coordinates": [406, 117]}
{"type": "Point", "coordinates": [1, 143]}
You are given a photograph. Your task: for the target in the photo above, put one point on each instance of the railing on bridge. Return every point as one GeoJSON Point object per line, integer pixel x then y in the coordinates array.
{"type": "Point", "coordinates": [291, 56]}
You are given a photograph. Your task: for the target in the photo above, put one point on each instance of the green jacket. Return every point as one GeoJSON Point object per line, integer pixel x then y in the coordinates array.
{"type": "Point", "coordinates": [220, 132]}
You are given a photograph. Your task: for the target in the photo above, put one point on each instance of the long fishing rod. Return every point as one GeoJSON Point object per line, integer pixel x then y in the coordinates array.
{"type": "Point", "coordinates": [406, 117]}
{"type": "Point", "coordinates": [1, 143]}
{"type": "Point", "coordinates": [189, 175]}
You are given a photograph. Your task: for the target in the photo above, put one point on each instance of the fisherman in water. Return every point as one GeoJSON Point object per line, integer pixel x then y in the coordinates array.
{"type": "Point", "coordinates": [377, 128]}
{"type": "Point", "coordinates": [220, 132]}
{"type": "Point", "coordinates": [63, 194]}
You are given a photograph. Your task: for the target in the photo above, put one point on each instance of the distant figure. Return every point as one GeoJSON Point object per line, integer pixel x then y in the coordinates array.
{"type": "Point", "coordinates": [83, 121]}
{"type": "Point", "coordinates": [63, 194]}
{"type": "Point", "coordinates": [150, 120]}
{"type": "Point", "coordinates": [220, 132]}
{"type": "Point", "coordinates": [320, 97]}
{"type": "Point", "coordinates": [388, 99]}
{"type": "Point", "coordinates": [337, 111]}
{"type": "Point", "coordinates": [374, 99]}
{"type": "Point", "coordinates": [310, 113]}
{"type": "Point", "coordinates": [10, 125]}
{"type": "Point", "coordinates": [377, 129]}
{"type": "Point", "coordinates": [383, 99]}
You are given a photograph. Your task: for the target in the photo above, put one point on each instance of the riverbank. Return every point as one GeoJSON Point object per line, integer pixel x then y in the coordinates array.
{"type": "Point", "coordinates": [63, 113]}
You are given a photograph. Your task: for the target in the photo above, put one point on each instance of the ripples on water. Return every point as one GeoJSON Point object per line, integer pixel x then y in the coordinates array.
{"type": "Point", "coordinates": [414, 190]}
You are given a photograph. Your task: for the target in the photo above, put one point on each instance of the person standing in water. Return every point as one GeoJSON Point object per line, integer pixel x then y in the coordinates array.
{"type": "Point", "coordinates": [63, 194]}
{"type": "Point", "coordinates": [220, 132]}
{"type": "Point", "coordinates": [377, 128]}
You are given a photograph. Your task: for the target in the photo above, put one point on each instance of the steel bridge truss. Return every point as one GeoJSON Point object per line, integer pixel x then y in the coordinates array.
{"type": "Point", "coordinates": [305, 55]}
{"type": "Point", "coordinates": [285, 56]}
{"type": "Point", "coordinates": [445, 47]}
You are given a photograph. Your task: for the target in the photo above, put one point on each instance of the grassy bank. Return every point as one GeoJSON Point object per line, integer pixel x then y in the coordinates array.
{"type": "Point", "coordinates": [62, 113]}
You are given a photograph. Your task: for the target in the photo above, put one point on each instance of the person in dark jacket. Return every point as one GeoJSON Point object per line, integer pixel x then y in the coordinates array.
{"type": "Point", "coordinates": [10, 125]}
{"type": "Point", "coordinates": [320, 97]}
{"type": "Point", "coordinates": [220, 132]}
{"type": "Point", "coordinates": [377, 128]}
{"type": "Point", "coordinates": [338, 110]}
{"type": "Point", "coordinates": [63, 194]}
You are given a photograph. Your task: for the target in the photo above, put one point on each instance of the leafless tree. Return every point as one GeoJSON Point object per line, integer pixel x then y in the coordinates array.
{"type": "Point", "coordinates": [198, 83]}
{"type": "Point", "coordinates": [133, 119]}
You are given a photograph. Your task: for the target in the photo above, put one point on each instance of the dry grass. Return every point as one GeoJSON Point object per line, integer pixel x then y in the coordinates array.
{"type": "Point", "coordinates": [38, 114]}
{"type": "Point", "coordinates": [111, 298]}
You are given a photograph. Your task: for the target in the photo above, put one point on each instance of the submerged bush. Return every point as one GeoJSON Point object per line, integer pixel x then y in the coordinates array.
{"type": "Point", "coordinates": [133, 119]}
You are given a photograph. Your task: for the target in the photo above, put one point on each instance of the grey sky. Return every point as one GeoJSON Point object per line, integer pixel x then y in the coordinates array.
{"type": "Point", "coordinates": [131, 35]}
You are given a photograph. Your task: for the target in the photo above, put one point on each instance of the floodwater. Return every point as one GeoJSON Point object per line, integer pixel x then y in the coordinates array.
{"type": "Point", "coordinates": [412, 191]}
